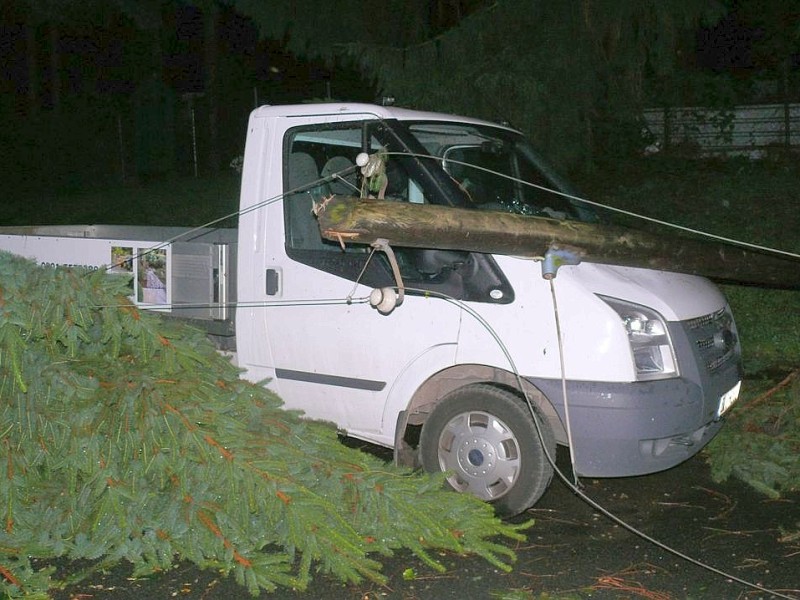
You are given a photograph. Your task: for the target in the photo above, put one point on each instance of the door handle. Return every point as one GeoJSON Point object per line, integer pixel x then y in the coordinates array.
{"type": "Point", "coordinates": [273, 282]}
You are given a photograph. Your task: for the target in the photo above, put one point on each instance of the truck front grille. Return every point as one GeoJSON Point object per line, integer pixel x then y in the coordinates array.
{"type": "Point", "coordinates": [714, 336]}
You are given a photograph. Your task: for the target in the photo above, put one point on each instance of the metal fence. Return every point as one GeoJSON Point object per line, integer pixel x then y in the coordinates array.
{"type": "Point", "coordinates": [748, 130]}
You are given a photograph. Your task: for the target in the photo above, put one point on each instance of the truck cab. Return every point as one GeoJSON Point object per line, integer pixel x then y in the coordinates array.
{"type": "Point", "coordinates": [486, 365]}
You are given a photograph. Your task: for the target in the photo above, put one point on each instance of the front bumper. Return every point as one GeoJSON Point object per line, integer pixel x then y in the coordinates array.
{"type": "Point", "coordinates": [622, 429]}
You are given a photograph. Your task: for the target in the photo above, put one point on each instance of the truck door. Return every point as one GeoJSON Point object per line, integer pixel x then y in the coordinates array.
{"type": "Point", "coordinates": [336, 359]}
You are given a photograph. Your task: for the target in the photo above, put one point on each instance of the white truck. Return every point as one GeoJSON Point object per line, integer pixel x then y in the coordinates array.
{"type": "Point", "coordinates": [649, 360]}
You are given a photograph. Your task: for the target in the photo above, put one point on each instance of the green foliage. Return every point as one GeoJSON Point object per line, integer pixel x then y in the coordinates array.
{"type": "Point", "coordinates": [573, 75]}
{"type": "Point", "coordinates": [388, 22]}
{"type": "Point", "coordinates": [780, 35]}
{"type": "Point", "coordinates": [761, 442]}
{"type": "Point", "coordinates": [126, 437]}
{"type": "Point", "coordinates": [769, 328]}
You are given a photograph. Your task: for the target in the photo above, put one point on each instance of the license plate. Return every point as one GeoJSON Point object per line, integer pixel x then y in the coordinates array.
{"type": "Point", "coordinates": [728, 398]}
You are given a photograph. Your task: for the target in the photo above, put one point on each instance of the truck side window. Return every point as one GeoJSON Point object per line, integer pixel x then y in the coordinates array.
{"type": "Point", "coordinates": [321, 161]}
{"type": "Point", "coordinates": [315, 168]}
{"type": "Point", "coordinates": [304, 190]}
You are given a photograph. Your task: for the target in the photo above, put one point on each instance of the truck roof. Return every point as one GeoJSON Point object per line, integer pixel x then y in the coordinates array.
{"type": "Point", "coordinates": [357, 108]}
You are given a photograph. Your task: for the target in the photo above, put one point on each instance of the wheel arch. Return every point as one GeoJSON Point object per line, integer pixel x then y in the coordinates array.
{"type": "Point", "coordinates": [439, 385]}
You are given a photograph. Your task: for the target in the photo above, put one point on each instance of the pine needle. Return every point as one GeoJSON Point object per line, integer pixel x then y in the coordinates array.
{"type": "Point", "coordinates": [127, 437]}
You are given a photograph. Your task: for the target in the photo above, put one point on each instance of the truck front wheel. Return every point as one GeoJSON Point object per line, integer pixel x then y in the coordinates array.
{"type": "Point", "coordinates": [485, 439]}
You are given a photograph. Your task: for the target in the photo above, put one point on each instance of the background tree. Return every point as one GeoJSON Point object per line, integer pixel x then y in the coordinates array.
{"type": "Point", "coordinates": [776, 44]}
{"type": "Point", "coordinates": [210, 44]}
{"type": "Point", "coordinates": [777, 48]}
{"type": "Point", "coordinates": [50, 19]}
{"type": "Point", "coordinates": [574, 75]}
{"type": "Point", "coordinates": [31, 62]}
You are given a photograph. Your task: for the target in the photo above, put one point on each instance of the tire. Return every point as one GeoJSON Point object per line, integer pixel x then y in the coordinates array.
{"type": "Point", "coordinates": [485, 438]}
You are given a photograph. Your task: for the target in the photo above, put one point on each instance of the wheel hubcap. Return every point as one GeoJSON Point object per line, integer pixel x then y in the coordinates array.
{"type": "Point", "coordinates": [482, 454]}
{"type": "Point", "coordinates": [476, 456]}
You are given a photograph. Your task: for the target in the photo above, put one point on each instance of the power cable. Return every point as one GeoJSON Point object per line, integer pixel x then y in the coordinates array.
{"type": "Point", "coordinates": [562, 364]}
{"type": "Point", "coordinates": [575, 488]}
{"type": "Point", "coordinates": [697, 232]}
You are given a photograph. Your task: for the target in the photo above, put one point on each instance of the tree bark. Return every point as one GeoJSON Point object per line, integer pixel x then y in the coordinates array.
{"type": "Point", "coordinates": [352, 220]}
{"type": "Point", "coordinates": [55, 66]}
{"type": "Point", "coordinates": [32, 65]}
{"type": "Point", "coordinates": [210, 17]}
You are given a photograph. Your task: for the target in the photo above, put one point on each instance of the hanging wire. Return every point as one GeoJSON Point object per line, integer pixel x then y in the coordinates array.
{"type": "Point", "coordinates": [568, 421]}
{"type": "Point", "coordinates": [563, 477]}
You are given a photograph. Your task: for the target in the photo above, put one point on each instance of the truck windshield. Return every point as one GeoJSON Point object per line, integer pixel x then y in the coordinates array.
{"type": "Point", "coordinates": [495, 169]}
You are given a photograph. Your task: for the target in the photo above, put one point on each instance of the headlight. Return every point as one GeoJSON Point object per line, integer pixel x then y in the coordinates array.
{"type": "Point", "coordinates": [651, 348]}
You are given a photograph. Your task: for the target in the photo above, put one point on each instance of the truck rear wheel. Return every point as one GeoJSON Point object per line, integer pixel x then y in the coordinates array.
{"type": "Point", "coordinates": [485, 438]}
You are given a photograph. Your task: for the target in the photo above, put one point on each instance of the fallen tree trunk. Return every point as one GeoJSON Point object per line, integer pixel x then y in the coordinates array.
{"type": "Point", "coordinates": [353, 220]}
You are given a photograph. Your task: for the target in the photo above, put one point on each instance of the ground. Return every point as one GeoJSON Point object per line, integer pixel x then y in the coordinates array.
{"type": "Point", "coordinates": [572, 551]}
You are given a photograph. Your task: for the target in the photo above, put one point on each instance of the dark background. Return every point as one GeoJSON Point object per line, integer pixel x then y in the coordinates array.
{"type": "Point", "coordinates": [102, 93]}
